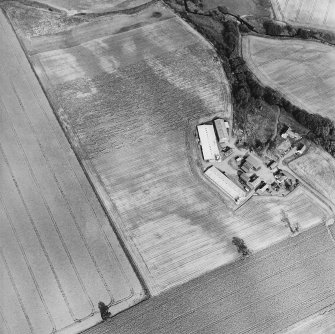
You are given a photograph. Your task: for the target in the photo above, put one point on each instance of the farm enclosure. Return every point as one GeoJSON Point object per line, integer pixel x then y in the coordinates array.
{"type": "Point", "coordinates": [58, 254]}
{"type": "Point", "coordinates": [127, 100]}
{"type": "Point", "coordinates": [303, 71]}
{"type": "Point", "coordinates": [310, 13]}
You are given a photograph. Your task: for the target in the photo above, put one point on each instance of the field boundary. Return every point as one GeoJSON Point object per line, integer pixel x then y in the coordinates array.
{"type": "Point", "coordinates": [84, 166]}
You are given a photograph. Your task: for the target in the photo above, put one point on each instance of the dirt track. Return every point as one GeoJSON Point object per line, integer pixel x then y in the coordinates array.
{"type": "Point", "coordinates": [263, 294]}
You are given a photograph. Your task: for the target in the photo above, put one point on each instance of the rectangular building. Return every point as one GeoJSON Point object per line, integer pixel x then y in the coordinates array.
{"type": "Point", "coordinates": [209, 146]}
{"type": "Point", "coordinates": [225, 184]}
{"type": "Point", "coordinates": [221, 130]}
{"type": "Point", "coordinates": [255, 163]}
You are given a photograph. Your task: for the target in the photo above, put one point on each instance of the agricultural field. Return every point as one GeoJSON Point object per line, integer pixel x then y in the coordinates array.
{"type": "Point", "coordinates": [127, 100]}
{"type": "Point", "coordinates": [321, 323]}
{"type": "Point", "coordinates": [309, 13]}
{"type": "Point", "coordinates": [58, 253]}
{"type": "Point", "coordinates": [317, 168]}
{"type": "Point", "coordinates": [304, 71]}
{"type": "Point", "coordinates": [265, 293]}
{"type": "Point", "coordinates": [241, 7]}
{"type": "Point", "coordinates": [92, 6]}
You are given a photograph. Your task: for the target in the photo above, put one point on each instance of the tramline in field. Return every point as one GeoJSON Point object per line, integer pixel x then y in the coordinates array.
{"type": "Point", "coordinates": [59, 256]}
{"type": "Point", "coordinates": [304, 71]}
{"type": "Point", "coordinates": [309, 13]}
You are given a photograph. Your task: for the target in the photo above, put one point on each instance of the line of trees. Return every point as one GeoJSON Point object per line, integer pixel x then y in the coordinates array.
{"type": "Point", "coordinates": [247, 92]}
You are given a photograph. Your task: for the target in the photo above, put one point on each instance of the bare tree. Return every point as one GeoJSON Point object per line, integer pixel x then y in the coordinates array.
{"type": "Point", "coordinates": [105, 314]}
{"type": "Point", "coordinates": [241, 246]}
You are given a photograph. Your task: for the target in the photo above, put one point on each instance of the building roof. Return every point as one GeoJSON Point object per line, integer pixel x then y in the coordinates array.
{"type": "Point", "coordinates": [208, 142]}
{"type": "Point", "coordinates": [254, 162]}
{"type": "Point", "coordinates": [221, 130]}
{"type": "Point", "coordinates": [224, 183]}
{"type": "Point", "coordinates": [245, 177]}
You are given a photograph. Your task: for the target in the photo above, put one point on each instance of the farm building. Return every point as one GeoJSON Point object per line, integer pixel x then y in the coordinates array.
{"type": "Point", "coordinates": [252, 181]}
{"type": "Point", "coordinates": [272, 165]}
{"type": "Point", "coordinates": [225, 184]}
{"type": "Point", "coordinates": [221, 130]}
{"type": "Point", "coordinates": [301, 149]}
{"type": "Point", "coordinates": [245, 177]}
{"type": "Point", "coordinates": [290, 133]}
{"type": "Point", "coordinates": [209, 147]}
{"type": "Point", "coordinates": [255, 164]}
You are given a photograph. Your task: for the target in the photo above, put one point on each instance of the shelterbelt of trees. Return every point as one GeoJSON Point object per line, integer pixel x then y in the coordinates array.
{"type": "Point", "coordinates": [247, 92]}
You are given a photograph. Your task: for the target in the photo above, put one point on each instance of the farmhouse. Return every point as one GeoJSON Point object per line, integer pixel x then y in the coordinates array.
{"type": "Point", "coordinates": [225, 184]}
{"type": "Point", "coordinates": [253, 162]}
{"type": "Point", "coordinates": [209, 147]}
{"type": "Point", "coordinates": [272, 165]}
{"type": "Point", "coordinates": [290, 133]}
{"type": "Point", "coordinates": [221, 130]}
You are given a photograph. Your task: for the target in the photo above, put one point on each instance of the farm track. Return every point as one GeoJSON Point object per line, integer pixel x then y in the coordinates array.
{"type": "Point", "coordinates": [242, 297]}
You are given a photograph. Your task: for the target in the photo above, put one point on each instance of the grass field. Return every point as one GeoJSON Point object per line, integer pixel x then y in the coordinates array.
{"type": "Point", "coordinates": [127, 100]}
{"type": "Point", "coordinates": [264, 294]}
{"type": "Point", "coordinates": [310, 13]}
{"type": "Point", "coordinates": [303, 71]}
{"type": "Point", "coordinates": [317, 168]}
{"type": "Point", "coordinates": [241, 7]}
{"type": "Point", "coordinates": [59, 256]}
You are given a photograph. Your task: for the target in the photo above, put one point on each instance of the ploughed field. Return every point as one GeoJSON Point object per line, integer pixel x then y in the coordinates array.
{"type": "Point", "coordinates": [310, 13]}
{"type": "Point", "coordinates": [265, 293]}
{"type": "Point", "coordinates": [58, 254]}
{"type": "Point", "coordinates": [127, 99]}
{"type": "Point", "coordinates": [303, 71]}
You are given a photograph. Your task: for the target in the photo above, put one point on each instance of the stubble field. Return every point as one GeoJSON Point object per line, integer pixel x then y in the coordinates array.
{"type": "Point", "coordinates": [310, 13]}
{"type": "Point", "coordinates": [317, 168]}
{"type": "Point", "coordinates": [303, 71]}
{"type": "Point", "coordinates": [58, 253]}
{"type": "Point", "coordinates": [127, 101]}
{"type": "Point", "coordinates": [92, 6]}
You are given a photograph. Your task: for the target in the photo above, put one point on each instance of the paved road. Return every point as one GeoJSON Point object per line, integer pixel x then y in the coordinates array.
{"type": "Point", "coordinates": [263, 294]}
{"type": "Point", "coordinates": [58, 254]}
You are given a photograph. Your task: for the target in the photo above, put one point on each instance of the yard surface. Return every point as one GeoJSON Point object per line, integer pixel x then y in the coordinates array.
{"type": "Point", "coordinates": [317, 168]}
{"type": "Point", "coordinates": [59, 255]}
{"type": "Point", "coordinates": [310, 13]}
{"type": "Point", "coordinates": [303, 71]}
{"type": "Point", "coordinates": [265, 293]}
{"type": "Point", "coordinates": [127, 100]}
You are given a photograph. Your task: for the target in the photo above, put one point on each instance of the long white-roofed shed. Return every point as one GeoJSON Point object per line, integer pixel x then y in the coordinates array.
{"type": "Point", "coordinates": [209, 146]}
{"type": "Point", "coordinates": [225, 184]}
{"type": "Point", "coordinates": [221, 130]}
